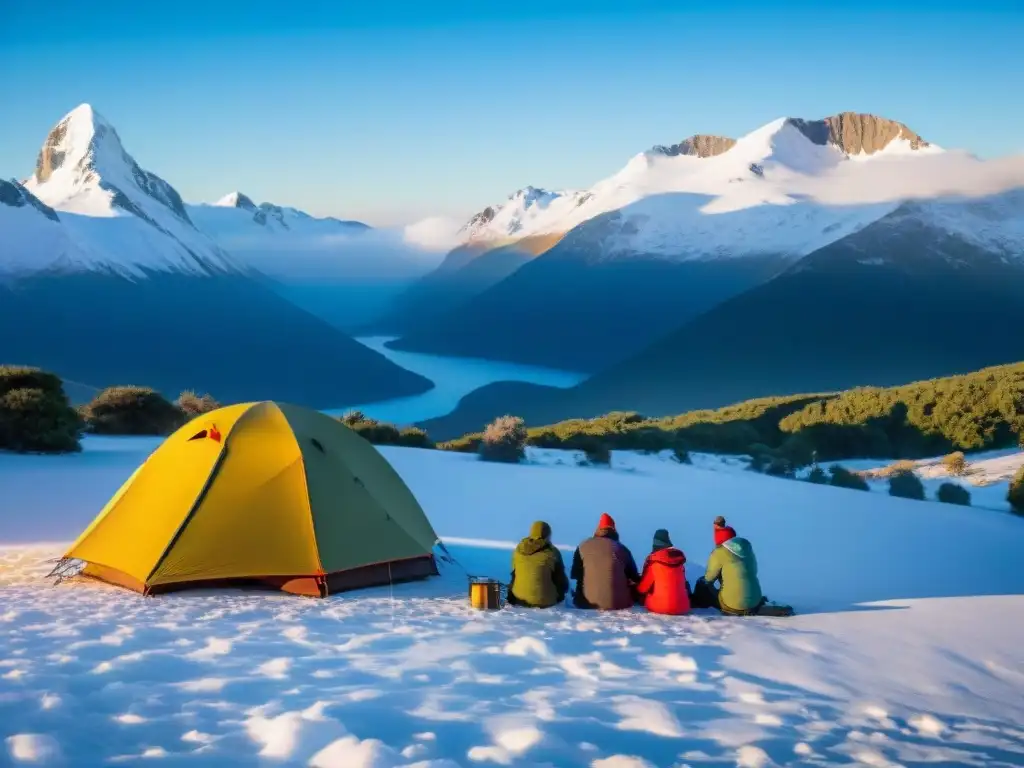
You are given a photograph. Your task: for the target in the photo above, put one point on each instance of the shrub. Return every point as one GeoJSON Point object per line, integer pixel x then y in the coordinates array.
{"type": "Point", "coordinates": [953, 493]}
{"type": "Point", "coordinates": [906, 485]}
{"type": "Point", "coordinates": [798, 450]}
{"type": "Point", "coordinates": [760, 456]}
{"type": "Point", "coordinates": [844, 478]}
{"type": "Point", "coordinates": [956, 464]}
{"type": "Point", "coordinates": [680, 454]}
{"type": "Point", "coordinates": [780, 467]}
{"type": "Point", "coordinates": [383, 433]}
{"type": "Point", "coordinates": [132, 411]}
{"type": "Point", "coordinates": [35, 414]}
{"type": "Point", "coordinates": [192, 404]}
{"type": "Point", "coordinates": [504, 440]}
{"type": "Point", "coordinates": [817, 476]}
{"type": "Point", "coordinates": [598, 453]}
{"type": "Point", "coordinates": [1016, 493]}
{"type": "Point", "coordinates": [898, 468]}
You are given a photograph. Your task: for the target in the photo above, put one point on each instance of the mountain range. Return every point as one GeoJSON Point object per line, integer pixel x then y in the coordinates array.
{"type": "Point", "coordinates": [805, 256]}
{"type": "Point", "coordinates": [106, 279]}
{"type": "Point", "coordinates": [584, 279]}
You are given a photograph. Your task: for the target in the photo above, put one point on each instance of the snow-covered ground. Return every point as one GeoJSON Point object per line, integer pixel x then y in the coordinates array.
{"type": "Point", "coordinates": [909, 646]}
{"type": "Point", "coordinates": [987, 477]}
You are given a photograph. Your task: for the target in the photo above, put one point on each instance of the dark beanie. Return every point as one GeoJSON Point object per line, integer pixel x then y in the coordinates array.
{"type": "Point", "coordinates": [661, 539]}
{"type": "Point", "coordinates": [719, 522]}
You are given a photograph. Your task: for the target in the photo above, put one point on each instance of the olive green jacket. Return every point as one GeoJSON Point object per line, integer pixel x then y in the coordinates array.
{"type": "Point", "coordinates": [538, 575]}
{"type": "Point", "coordinates": [734, 564]}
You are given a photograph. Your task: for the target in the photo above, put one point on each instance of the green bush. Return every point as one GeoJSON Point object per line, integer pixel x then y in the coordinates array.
{"type": "Point", "coordinates": [760, 456]}
{"type": "Point", "coordinates": [504, 440]}
{"type": "Point", "coordinates": [953, 493]}
{"type": "Point", "coordinates": [955, 463]}
{"type": "Point", "coordinates": [192, 404]}
{"type": "Point", "coordinates": [681, 455]}
{"type": "Point", "coordinates": [383, 433]}
{"type": "Point", "coordinates": [780, 467]}
{"type": "Point", "coordinates": [906, 485]}
{"type": "Point", "coordinates": [817, 476]}
{"type": "Point", "coordinates": [844, 478]}
{"type": "Point", "coordinates": [981, 410]}
{"type": "Point", "coordinates": [132, 411]}
{"type": "Point", "coordinates": [35, 415]}
{"type": "Point", "coordinates": [1016, 493]}
{"type": "Point", "coordinates": [598, 453]}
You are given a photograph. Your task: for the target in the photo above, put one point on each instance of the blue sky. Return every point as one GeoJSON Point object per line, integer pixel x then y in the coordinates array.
{"type": "Point", "coordinates": [390, 111]}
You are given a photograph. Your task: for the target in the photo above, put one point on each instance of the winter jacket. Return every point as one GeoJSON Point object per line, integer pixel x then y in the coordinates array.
{"type": "Point", "coordinates": [538, 574]}
{"type": "Point", "coordinates": [735, 565]}
{"type": "Point", "coordinates": [663, 583]}
{"type": "Point", "coordinates": [605, 573]}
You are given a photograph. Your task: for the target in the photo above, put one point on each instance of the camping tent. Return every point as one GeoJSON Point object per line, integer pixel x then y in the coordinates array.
{"type": "Point", "coordinates": [263, 493]}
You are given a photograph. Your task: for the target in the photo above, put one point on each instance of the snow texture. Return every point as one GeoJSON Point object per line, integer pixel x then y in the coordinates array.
{"type": "Point", "coordinates": [907, 649]}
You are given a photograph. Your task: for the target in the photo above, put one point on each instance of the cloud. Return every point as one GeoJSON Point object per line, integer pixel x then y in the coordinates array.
{"type": "Point", "coordinates": [883, 179]}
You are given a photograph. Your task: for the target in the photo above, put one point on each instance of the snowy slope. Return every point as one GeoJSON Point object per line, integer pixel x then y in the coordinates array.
{"type": "Point", "coordinates": [116, 214]}
{"type": "Point", "coordinates": [884, 666]}
{"type": "Point", "coordinates": [781, 189]}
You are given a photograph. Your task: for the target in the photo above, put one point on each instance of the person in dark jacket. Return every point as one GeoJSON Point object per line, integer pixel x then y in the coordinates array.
{"type": "Point", "coordinates": [538, 571]}
{"type": "Point", "coordinates": [733, 564]}
{"type": "Point", "coordinates": [604, 570]}
{"type": "Point", "coordinates": [663, 584]}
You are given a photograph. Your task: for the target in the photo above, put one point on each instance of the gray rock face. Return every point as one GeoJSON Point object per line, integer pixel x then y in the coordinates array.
{"type": "Point", "coordinates": [855, 132]}
{"type": "Point", "coordinates": [698, 145]}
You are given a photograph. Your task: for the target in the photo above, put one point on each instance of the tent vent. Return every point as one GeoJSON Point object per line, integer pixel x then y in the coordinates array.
{"type": "Point", "coordinates": [318, 444]}
{"type": "Point", "coordinates": [198, 436]}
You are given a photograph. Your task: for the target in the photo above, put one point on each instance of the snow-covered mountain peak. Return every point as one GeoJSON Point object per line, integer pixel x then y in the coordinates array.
{"type": "Point", "coordinates": [236, 200]}
{"type": "Point", "coordinates": [84, 168]}
{"type": "Point", "coordinates": [81, 143]}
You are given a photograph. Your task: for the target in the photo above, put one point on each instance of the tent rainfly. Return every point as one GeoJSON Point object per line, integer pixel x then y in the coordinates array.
{"type": "Point", "coordinates": [263, 494]}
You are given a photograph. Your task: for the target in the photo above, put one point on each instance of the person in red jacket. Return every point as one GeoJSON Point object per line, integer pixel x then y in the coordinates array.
{"type": "Point", "coordinates": [663, 584]}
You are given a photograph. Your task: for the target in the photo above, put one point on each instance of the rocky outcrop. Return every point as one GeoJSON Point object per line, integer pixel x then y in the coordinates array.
{"type": "Point", "coordinates": [698, 145]}
{"type": "Point", "coordinates": [857, 133]}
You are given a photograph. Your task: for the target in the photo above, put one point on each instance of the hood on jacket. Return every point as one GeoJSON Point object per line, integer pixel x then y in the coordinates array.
{"type": "Point", "coordinates": [531, 546]}
{"type": "Point", "coordinates": [669, 556]}
{"type": "Point", "coordinates": [607, 533]}
{"type": "Point", "coordinates": [739, 547]}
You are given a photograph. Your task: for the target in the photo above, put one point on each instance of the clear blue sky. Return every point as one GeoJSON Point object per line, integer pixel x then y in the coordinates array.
{"type": "Point", "coordinates": [389, 111]}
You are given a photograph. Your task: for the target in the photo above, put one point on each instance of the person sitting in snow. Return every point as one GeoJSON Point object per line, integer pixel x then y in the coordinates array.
{"type": "Point", "coordinates": [604, 570]}
{"type": "Point", "coordinates": [538, 571]}
{"type": "Point", "coordinates": [734, 565]}
{"type": "Point", "coordinates": [663, 584]}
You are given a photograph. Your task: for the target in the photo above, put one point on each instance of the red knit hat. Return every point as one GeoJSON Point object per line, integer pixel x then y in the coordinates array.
{"type": "Point", "coordinates": [723, 532]}
{"type": "Point", "coordinates": [606, 522]}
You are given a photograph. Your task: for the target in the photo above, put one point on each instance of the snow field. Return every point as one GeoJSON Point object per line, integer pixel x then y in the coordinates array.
{"type": "Point", "coordinates": [869, 673]}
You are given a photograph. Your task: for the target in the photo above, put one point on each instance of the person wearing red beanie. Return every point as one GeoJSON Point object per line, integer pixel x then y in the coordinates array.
{"type": "Point", "coordinates": [723, 532]}
{"type": "Point", "coordinates": [733, 564]}
{"type": "Point", "coordinates": [604, 570]}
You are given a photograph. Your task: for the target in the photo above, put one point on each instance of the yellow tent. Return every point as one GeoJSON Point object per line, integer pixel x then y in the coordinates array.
{"type": "Point", "coordinates": [260, 493]}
